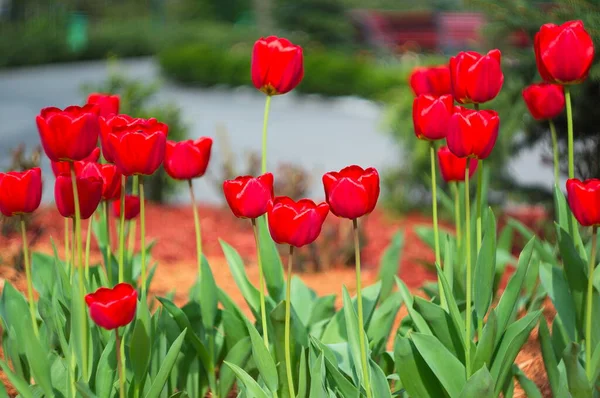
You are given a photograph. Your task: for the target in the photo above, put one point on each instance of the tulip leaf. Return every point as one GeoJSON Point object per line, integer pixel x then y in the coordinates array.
{"type": "Point", "coordinates": [528, 386]}
{"type": "Point", "coordinates": [441, 325]}
{"type": "Point", "coordinates": [20, 385]}
{"type": "Point", "coordinates": [554, 282]}
{"type": "Point", "coordinates": [446, 367]}
{"type": "Point", "coordinates": [486, 343]}
{"type": "Point", "coordinates": [317, 378]}
{"type": "Point", "coordinates": [451, 303]}
{"type": "Point", "coordinates": [336, 362]}
{"type": "Point", "coordinates": [262, 358]}
{"type": "Point", "coordinates": [485, 268]}
{"type": "Point", "coordinates": [84, 390]}
{"type": "Point", "coordinates": [107, 368]}
{"type": "Point", "coordinates": [278, 340]}
{"type": "Point", "coordinates": [236, 266]}
{"type": "Point", "coordinates": [379, 383]}
{"type": "Point", "coordinates": [389, 266]}
{"type": "Point", "coordinates": [252, 387]}
{"type": "Point", "coordinates": [302, 377]}
{"type": "Point", "coordinates": [407, 298]}
{"type": "Point", "coordinates": [579, 387]}
{"type": "Point", "coordinates": [141, 349]}
{"type": "Point", "coordinates": [563, 216]}
{"type": "Point", "coordinates": [237, 355]}
{"type": "Point", "coordinates": [271, 262]}
{"type": "Point", "coordinates": [37, 356]}
{"type": "Point", "coordinates": [167, 364]}
{"type": "Point", "coordinates": [208, 296]}
{"type": "Point", "coordinates": [355, 333]}
{"type": "Point", "coordinates": [416, 377]}
{"type": "Point", "coordinates": [13, 309]}
{"type": "Point", "coordinates": [544, 249]}
{"type": "Point", "coordinates": [42, 273]}
{"type": "Point", "coordinates": [549, 357]}
{"type": "Point", "coordinates": [382, 323]}
{"type": "Point", "coordinates": [480, 385]}
{"type": "Point", "coordinates": [3, 393]}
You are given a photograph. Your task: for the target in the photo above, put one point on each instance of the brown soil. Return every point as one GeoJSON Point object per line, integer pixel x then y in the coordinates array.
{"type": "Point", "coordinates": [175, 252]}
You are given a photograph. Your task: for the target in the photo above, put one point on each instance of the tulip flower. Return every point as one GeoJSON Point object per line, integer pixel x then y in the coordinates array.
{"type": "Point", "coordinates": [89, 190]}
{"type": "Point", "coordinates": [352, 192]}
{"type": "Point", "coordinates": [453, 167]}
{"type": "Point", "coordinates": [20, 191]}
{"type": "Point", "coordinates": [111, 181]}
{"type": "Point", "coordinates": [277, 65]}
{"type": "Point", "coordinates": [138, 148]}
{"type": "Point", "coordinates": [564, 53]}
{"type": "Point", "coordinates": [472, 133]}
{"type": "Point", "coordinates": [247, 196]}
{"type": "Point", "coordinates": [296, 223]}
{"type": "Point", "coordinates": [108, 105]}
{"type": "Point", "coordinates": [70, 134]}
{"type": "Point", "coordinates": [132, 207]}
{"type": "Point", "coordinates": [584, 200]}
{"type": "Point", "coordinates": [433, 80]}
{"type": "Point", "coordinates": [115, 124]}
{"type": "Point", "coordinates": [545, 101]}
{"type": "Point", "coordinates": [476, 78]}
{"type": "Point", "coordinates": [431, 115]}
{"type": "Point", "coordinates": [186, 160]}
{"type": "Point", "coordinates": [112, 308]}
{"type": "Point", "coordinates": [59, 168]}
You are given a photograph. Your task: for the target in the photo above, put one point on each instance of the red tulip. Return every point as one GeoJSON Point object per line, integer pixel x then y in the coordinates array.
{"type": "Point", "coordinates": [20, 191]}
{"type": "Point", "coordinates": [108, 105]}
{"type": "Point", "coordinates": [132, 207]}
{"type": "Point", "coordinates": [453, 167]}
{"type": "Point", "coordinates": [476, 78]}
{"type": "Point", "coordinates": [545, 101]}
{"type": "Point", "coordinates": [564, 54]}
{"type": "Point", "coordinates": [584, 200]}
{"type": "Point", "coordinates": [111, 181]}
{"type": "Point", "coordinates": [59, 168]}
{"type": "Point", "coordinates": [431, 115]}
{"type": "Point", "coordinates": [296, 223]}
{"type": "Point", "coordinates": [433, 80]}
{"type": "Point", "coordinates": [247, 196]}
{"type": "Point", "coordinates": [70, 134]}
{"type": "Point", "coordinates": [112, 308]}
{"type": "Point", "coordinates": [352, 192]}
{"type": "Point", "coordinates": [114, 124]}
{"type": "Point", "coordinates": [276, 65]}
{"type": "Point", "coordinates": [89, 190]}
{"type": "Point", "coordinates": [472, 133]}
{"type": "Point", "coordinates": [138, 148]}
{"type": "Point", "coordinates": [187, 159]}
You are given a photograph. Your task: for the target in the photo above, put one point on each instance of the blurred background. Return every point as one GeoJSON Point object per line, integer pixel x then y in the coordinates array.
{"type": "Point", "coordinates": [187, 62]}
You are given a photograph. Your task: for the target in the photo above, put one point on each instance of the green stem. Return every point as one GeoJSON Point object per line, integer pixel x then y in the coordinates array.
{"type": "Point", "coordinates": [457, 215]}
{"type": "Point", "coordinates": [261, 282]}
{"type": "Point", "coordinates": [479, 188]}
{"type": "Point", "coordinates": [84, 335]}
{"type": "Point", "coordinates": [108, 263]}
{"type": "Point", "coordinates": [264, 134]}
{"type": "Point", "coordinates": [132, 224]}
{"type": "Point", "coordinates": [573, 225]}
{"type": "Point", "coordinates": [589, 368]}
{"type": "Point", "coordinates": [122, 231]}
{"type": "Point", "coordinates": [120, 367]}
{"type": "Point", "coordinates": [197, 226]}
{"type": "Point", "coordinates": [67, 250]}
{"type": "Point", "coordinates": [143, 236]}
{"type": "Point", "coordinates": [468, 286]}
{"type": "Point", "coordinates": [288, 318]}
{"type": "Point", "coordinates": [436, 232]}
{"type": "Point", "coordinates": [88, 243]}
{"type": "Point", "coordinates": [555, 152]}
{"type": "Point", "coordinates": [28, 276]}
{"type": "Point", "coordinates": [363, 349]}
{"type": "Point", "coordinates": [73, 239]}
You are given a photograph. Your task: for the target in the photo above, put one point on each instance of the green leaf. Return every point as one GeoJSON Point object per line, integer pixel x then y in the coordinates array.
{"type": "Point", "coordinates": [84, 390]}
{"type": "Point", "coordinates": [355, 333]}
{"type": "Point", "coordinates": [562, 214]}
{"type": "Point", "coordinates": [379, 383]}
{"type": "Point", "coordinates": [554, 282]}
{"type": "Point", "coordinates": [485, 268]}
{"type": "Point", "coordinates": [208, 297]}
{"type": "Point", "coordinates": [389, 265]}
{"type": "Point", "coordinates": [20, 385]}
{"type": "Point", "coordinates": [302, 377]}
{"type": "Point", "coordinates": [416, 377]}
{"type": "Point", "coordinates": [262, 358]}
{"type": "Point", "coordinates": [480, 385]}
{"type": "Point", "coordinates": [42, 273]}
{"type": "Point", "coordinates": [549, 357]}
{"type": "Point", "coordinates": [442, 327]}
{"type": "Point", "coordinates": [162, 376]}
{"type": "Point", "coordinates": [336, 362]}
{"type": "Point", "coordinates": [528, 386]}
{"type": "Point", "coordinates": [303, 300]}
{"type": "Point", "coordinates": [37, 356]}
{"type": "Point", "coordinates": [250, 293]}
{"type": "Point", "coordinates": [252, 387]}
{"type": "Point", "coordinates": [579, 387]}
{"type": "Point", "coordinates": [417, 319]}
{"type": "Point", "coordinates": [79, 324]}
{"type": "Point", "coordinates": [382, 323]}
{"type": "Point", "coordinates": [278, 340]}
{"type": "Point", "coordinates": [141, 348]}
{"type": "Point", "coordinates": [107, 369]}
{"type": "Point", "coordinates": [447, 368]}
{"type": "Point", "coordinates": [513, 339]}
{"type": "Point", "coordinates": [237, 355]}
{"type": "Point", "coordinates": [487, 341]}
{"type": "Point", "coordinates": [317, 378]}
{"type": "Point", "coordinates": [508, 301]}
{"type": "Point", "coordinates": [271, 262]}
{"type": "Point", "coordinates": [457, 318]}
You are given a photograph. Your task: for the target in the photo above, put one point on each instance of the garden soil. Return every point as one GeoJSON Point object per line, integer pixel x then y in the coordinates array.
{"type": "Point", "coordinates": [175, 252]}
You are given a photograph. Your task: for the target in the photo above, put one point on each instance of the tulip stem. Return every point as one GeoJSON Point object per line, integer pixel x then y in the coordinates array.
{"type": "Point", "coordinates": [264, 134]}
{"type": "Point", "coordinates": [108, 263]}
{"type": "Point", "coordinates": [589, 368]}
{"type": "Point", "coordinates": [83, 331]}
{"type": "Point", "coordinates": [288, 319]}
{"type": "Point", "coordinates": [131, 224]}
{"type": "Point", "coordinates": [88, 243]}
{"type": "Point", "coordinates": [361, 337]}
{"type": "Point", "coordinates": [197, 227]}
{"type": "Point", "coordinates": [468, 285]}
{"type": "Point", "coordinates": [436, 231]}
{"type": "Point", "coordinates": [120, 364]}
{"type": "Point", "coordinates": [457, 215]}
{"type": "Point", "coordinates": [28, 276]}
{"type": "Point", "coordinates": [479, 189]}
{"type": "Point", "coordinates": [122, 231]}
{"type": "Point", "coordinates": [261, 282]}
{"type": "Point", "coordinates": [555, 152]}
{"type": "Point", "coordinates": [573, 224]}
{"type": "Point", "coordinates": [143, 235]}
{"type": "Point", "coordinates": [67, 250]}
